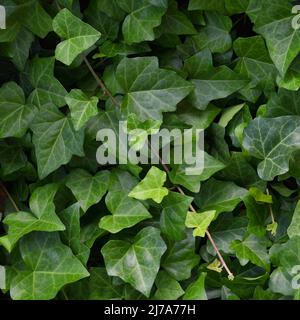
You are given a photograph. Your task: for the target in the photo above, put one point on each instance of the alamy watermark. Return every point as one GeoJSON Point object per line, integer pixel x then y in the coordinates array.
{"type": "Point", "coordinates": [157, 146]}
{"type": "Point", "coordinates": [296, 19]}
{"type": "Point", "coordinates": [2, 17]}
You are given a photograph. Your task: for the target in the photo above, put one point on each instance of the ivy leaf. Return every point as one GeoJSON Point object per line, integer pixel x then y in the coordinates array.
{"type": "Point", "coordinates": [252, 249]}
{"type": "Point", "coordinates": [176, 22]}
{"type": "Point", "coordinates": [213, 84]}
{"type": "Point", "coordinates": [219, 195]}
{"type": "Point", "coordinates": [78, 36]}
{"type": "Point", "coordinates": [274, 147]}
{"type": "Point", "coordinates": [47, 263]}
{"type": "Point", "coordinates": [138, 262]}
{"type": "Point", "coordinates": [283, 103]}
{"type": "Point", "coordinates": [47, 88]}
{"type": "Point", "coordinates": [294, 227]}
{"type": "Point", "coordinates": [283, 46]}
{"type": "Point", "coordinates": [255, 63]}
{"type": "Point", "coordinates": [41, 218]}
{"type": "Point", "coordinates": [126, 212]}
{"type": "Point", "coordinates": [151, 187]}
{"type": "Point", "coordinates": [15, 114]}
{"type": "Point", "coordinates": [88, 189]}
{"type": "Point", "coordinates": [199, 221]}
{"type": "Point", "coordinates": [175, 208]}
{"type": "Point", "coordinates": [143, 17]}
{"type": "Point", "coordinates": [193, 182]}
{"type": "Point", "coordinates": [167, 287]}
{"type": "Point", "coordinates": [180, 258]}
{"type": "Point", "coordinates": [55, 140]}
{"type": "Point", "coordinates": [224, 230]}
{"type": "Point", "coordinates": [150, 90]}
{"type": "Point", "coordinates": [71, 236]}
{"type": "Point", "coordinates": [196, 290]}
{"type": "Point", "coordinates": [82, 108]}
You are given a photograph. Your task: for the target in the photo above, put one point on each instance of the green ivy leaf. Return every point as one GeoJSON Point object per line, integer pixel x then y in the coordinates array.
{"type": "Point", "coordinates": [150, 90]}
{"type": "Point", "coordinates": [196, 290]}
{"type": "Point", "coordinates": [78, 36]}
{"type": "Point", "coordinates": [47, 88]}
{"type": "Point", "coordinates": [55, 140]}
{"type": "Point", "coordinates": [138, 262]}
{"type": "Point", "coordinates": [219, 195]}
{"type": "Point", "coordinates": [126, 212]}
{"type": "Point", "coordinates": [15, 114]}
{"type": "Point", "coordinates": [88, 189]}
{"type": "Point", "coordinates": [167, 287]}
{"type": "Point", "coordinates": [46, 263]}
{"type": "Point", "coordinates": [172, 219]}
{"type": "Point", "coordinates": [274, 147]}
{"type": "Point", "coordinates": [41, 218]}
{"type": "Point", "coordinates": [82, 108]}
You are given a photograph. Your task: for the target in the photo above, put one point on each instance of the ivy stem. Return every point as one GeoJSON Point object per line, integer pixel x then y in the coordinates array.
{"type": "Point", "coordinates": [166, 168]}
{"type": "Point", "coordinates": [9, 197]}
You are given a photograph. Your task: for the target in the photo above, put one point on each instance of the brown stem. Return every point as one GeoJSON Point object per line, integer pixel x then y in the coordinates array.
{"type": "Point", "coordinates": [166, 168]}
{"type": "Point", "coordinates": [9, 197]}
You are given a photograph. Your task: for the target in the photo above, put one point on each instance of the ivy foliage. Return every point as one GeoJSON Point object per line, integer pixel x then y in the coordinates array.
{"type": "Point", "coordinates": [71, 228]}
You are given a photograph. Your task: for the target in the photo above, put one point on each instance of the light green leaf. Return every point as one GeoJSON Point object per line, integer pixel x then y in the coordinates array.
{"type": "Point", "coordinates": [55, 140]}
{"type": "Point", "coordinates": [47, 263]}
{"type": "Point", "coordinates": [82, 107]}
{"type": "Point", "coordinates": [150, 91]}
{"type": "Point", "coordinates": [136, 263]}
{"type": "Point", "coordinates": [259, 196]}
{"type": "Point", "coordinates": [126, 212]}
{"type": "Point", "coordinates": [151, 187]}
{"type": "Point", "coordinates": [41, 218]}
{"type": "Point", "coordinates": [274, 147]}
{"type": "Point", "coordinates": [88, 189]}
{"type": "Point", "coordinates": [78, 36]}
{"type": "Point", "coordinates": [15, 114]}
{"type": "Point", "coordinates": [199, 222]}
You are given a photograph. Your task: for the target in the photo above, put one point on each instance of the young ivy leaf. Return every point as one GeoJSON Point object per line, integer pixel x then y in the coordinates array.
{"type": "Point", "coordinates": [15, 114]}
{"type": "Point", "coordinates": [88, 189]}
{"type": "Point", "coordinates": [151, 187]}
{"type": "Point", "coordinates": [126, 212]}
{"type": "Point", "coordinates": [136, 262]}
{"type": "Point", "coordinates": [55, 140]}
{"type": "Point", "coordinates": [47, 263]}
{"type": "Point", "coordinates": [199, 221]}
{"type": "Point", "coordinates": [41, 218]}
{"type": "Point", "coordinates": [82, 107]}
{"type": "Point", "coordinates": [78, 36]}
{"type": "Point", "coordinates": [150, 91]}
